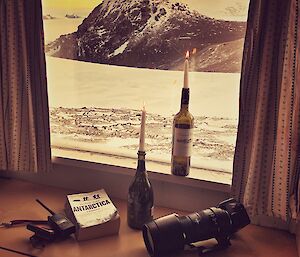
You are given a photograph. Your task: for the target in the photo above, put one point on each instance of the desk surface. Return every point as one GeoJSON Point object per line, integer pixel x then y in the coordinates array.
{"type": "Point", "coordinates": [17, 201]}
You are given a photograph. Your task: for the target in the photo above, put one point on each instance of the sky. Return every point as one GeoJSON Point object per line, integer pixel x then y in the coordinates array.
{"type": "Point", "coordinates": [65, 4]}
{"type": "Point", "coordinates": [212, 8]}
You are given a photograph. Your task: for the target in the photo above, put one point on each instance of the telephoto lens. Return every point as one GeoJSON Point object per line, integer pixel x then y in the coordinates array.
{"type": "Point", "coordinates": [171, 233]}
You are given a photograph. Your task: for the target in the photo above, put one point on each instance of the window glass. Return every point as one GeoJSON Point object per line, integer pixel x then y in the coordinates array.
{"type": "Point", "coordinates": [105, 58]}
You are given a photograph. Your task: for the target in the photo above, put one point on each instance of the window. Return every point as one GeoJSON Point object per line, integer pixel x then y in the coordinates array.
{"type": "Point", "coordinates": [104, 58]}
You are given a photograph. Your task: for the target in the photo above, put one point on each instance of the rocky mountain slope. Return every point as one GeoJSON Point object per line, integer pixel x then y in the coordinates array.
{"type": "Point", "coordinates": [153, 34]}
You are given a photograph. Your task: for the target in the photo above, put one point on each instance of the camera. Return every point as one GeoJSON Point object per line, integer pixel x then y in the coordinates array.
{"type": "Point", "coordinates": [171, 233]}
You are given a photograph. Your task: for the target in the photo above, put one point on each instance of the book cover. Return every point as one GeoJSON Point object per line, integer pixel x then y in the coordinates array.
{"type": "Point", "coordinates": [93, 213]}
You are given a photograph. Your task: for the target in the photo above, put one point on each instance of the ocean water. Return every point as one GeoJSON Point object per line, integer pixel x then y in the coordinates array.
{"type": "Point", "coordinates": [53, 28]}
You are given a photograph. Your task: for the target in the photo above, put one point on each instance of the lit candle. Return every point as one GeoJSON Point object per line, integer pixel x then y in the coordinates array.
{"type": "Point", "coordinates": [186, 71]}
{"type": "Point", "coordinates": [142, 131]}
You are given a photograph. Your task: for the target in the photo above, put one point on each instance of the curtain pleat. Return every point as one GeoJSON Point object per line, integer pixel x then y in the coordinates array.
{"type": "Point", "coordinates": [264, 172]}
{"type": "Point", "coordinates": [24, 113]}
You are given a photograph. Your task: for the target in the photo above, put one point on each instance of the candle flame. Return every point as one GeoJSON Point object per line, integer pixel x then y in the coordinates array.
{"type": "Point", "coordinates": [187, 55]}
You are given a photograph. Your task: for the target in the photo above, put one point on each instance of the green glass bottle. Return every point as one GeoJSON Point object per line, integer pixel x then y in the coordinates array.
{"type": "Point", "coordinates": [140, 196]}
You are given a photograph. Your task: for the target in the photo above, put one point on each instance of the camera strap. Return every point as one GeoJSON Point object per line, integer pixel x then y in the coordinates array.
{"type": "Point", "coordinates": [13, 223]}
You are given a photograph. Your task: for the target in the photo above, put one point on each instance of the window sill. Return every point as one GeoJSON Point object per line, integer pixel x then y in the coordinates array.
{"type": "Point", "coordinates": [199, 178]}
{"type": "Point", "coordinates": [197, 191]}
{"type": "Point", "coordinates": [200, 190]}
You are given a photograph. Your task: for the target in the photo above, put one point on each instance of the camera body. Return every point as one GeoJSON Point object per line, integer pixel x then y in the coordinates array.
{"type": "Point", "coordinates": [171, 233]}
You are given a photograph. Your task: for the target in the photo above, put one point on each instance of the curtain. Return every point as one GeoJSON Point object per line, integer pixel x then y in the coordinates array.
{"type": "Point", "coordinates": [24, 113]}
{"type": "Point", "coordinates": [265, 173]}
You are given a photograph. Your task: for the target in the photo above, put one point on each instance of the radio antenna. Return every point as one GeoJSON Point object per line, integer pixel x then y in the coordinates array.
{"type": "Point", "coordinates": [49, 210]}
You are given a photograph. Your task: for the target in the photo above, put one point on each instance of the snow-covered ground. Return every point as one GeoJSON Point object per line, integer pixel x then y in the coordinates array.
{"type": "Point", "coordinates": [81, 84]}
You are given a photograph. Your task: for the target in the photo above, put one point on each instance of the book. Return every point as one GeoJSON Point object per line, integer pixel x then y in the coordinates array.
{"type": "Point", "coordinates": [93, 214]}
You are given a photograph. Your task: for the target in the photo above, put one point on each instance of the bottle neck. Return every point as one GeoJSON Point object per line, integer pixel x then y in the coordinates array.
{"type": "Point", "coordinates": [141, 161]}
{"type": "Point", "coordinates": [185, 98]}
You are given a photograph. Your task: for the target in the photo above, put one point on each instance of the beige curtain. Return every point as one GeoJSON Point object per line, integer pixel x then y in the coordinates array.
{"type": "Point", "coordinates": [265, 163]}
{"type": "Point", "coordinates": [24, 115]}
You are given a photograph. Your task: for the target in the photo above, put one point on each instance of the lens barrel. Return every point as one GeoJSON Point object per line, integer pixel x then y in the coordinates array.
{"type": "Point", "coordinates": [164, 235]}
{"type": "Point", "coordinates": [169, 234]}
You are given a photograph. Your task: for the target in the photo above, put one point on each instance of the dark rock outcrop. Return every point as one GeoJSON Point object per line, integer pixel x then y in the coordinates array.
{"type": "Point", "coordinates": [153, 34]}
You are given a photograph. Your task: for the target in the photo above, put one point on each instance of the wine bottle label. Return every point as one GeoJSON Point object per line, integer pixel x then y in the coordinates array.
{"type": "Point", "coordinates": [183, 141]}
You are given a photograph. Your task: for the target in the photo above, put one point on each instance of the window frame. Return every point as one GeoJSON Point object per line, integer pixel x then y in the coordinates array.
{"type": "Point", "coordinates": [198, 178]}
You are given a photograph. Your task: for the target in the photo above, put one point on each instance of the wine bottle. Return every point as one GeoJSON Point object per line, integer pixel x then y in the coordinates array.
{"type": "Point", "coordinates": [140, 196]}
{"type": "Point", "coordinates": [183, 125]}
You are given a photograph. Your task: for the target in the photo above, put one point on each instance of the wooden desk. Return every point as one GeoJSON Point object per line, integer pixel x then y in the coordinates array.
{"type": "Point", "coordinates": [17, 201]}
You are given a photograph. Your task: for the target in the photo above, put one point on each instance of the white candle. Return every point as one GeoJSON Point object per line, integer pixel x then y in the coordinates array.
{"type": "Point", "coordinates": [186, 71]}
{"type": "Point", "coordinates": [142, 131]}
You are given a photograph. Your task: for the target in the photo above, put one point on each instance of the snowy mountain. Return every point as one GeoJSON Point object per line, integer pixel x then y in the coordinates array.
{"type": "Point", "coordinates": [153, 34]}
